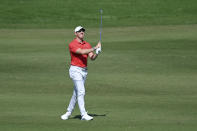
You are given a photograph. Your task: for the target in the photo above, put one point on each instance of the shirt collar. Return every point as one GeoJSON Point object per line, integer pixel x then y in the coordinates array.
{"type": "Point", "coordinates": [79, 42]}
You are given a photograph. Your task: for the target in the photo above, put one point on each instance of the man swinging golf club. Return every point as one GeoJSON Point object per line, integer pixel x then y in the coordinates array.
{"type": "Point", "coordinates": [80, 50]}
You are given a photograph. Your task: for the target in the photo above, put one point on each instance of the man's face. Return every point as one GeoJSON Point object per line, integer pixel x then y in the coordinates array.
{"type": "Point", "coordinates": [80, 34]}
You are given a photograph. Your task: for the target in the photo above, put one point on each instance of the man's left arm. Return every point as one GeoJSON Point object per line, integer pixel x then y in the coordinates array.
{"type": "Point", "coordinates": [92, 56]}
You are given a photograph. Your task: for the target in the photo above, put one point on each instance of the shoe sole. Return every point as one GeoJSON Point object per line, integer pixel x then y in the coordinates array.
{"type": "Point", "coordinates": [86, 120]}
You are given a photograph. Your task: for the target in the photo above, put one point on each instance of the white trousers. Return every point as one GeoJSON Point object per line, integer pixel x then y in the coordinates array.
{"type": "Point", "coordinates": [78, 75]}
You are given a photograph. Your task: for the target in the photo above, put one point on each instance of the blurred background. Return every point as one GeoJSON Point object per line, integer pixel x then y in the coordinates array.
{"type": "Point", "coordinates": [69, 13]}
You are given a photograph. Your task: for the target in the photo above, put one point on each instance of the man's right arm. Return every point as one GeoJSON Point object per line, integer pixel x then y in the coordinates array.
{"type": "Point", "coordinates": [87, 51]}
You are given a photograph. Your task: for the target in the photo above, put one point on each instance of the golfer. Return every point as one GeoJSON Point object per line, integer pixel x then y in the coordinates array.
{"type": "Point", "coordinates": [80, 50]}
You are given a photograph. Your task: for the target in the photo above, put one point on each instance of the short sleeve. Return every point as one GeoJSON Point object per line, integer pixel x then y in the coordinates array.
{"type": "Point", "coordinates": [73, 48]}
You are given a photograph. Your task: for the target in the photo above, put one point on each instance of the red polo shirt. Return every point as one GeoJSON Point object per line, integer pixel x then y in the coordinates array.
{"type": "Point", "coordinates": [77, 59]}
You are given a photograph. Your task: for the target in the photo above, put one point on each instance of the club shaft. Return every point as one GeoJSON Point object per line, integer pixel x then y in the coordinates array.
{"type": "Point", "coordinates": [101, 25]}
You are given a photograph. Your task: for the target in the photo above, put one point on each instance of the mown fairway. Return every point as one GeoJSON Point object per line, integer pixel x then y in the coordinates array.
{"type": "Point", "coordinates": [144, 80]}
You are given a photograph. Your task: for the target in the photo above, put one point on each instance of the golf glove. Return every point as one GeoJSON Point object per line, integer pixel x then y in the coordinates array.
{"type": "Point", "coordinates": [98, 50]}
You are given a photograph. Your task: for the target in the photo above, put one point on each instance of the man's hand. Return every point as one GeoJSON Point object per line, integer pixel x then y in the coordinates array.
{"type": "Point", "coordinates": [98, 45]}
{"type": "Point", "coordinates": [98, 50]}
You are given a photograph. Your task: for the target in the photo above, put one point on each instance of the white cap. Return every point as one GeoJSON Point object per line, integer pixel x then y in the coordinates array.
{"type": "Point", "coordinates": [78, 28]}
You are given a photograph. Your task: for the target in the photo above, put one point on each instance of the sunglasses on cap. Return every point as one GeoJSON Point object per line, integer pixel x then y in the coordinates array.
{"type": "Point", "coordinates": [81, 30]}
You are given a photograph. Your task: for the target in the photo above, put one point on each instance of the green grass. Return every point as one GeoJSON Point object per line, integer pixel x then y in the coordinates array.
{"type": "Point", "coordinates": [116, 13]}
{"type": "Point", "coordinates": [144, 80]}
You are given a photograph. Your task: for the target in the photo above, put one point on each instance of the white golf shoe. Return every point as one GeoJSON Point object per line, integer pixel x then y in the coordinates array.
{"type": "Point", "coordinates": [66, 116]}
{"type": "Point", "coordinates": [86, 117]}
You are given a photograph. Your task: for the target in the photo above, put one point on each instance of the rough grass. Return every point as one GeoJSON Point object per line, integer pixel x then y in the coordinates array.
{"type": "Point", "coordinates": [116, 13]}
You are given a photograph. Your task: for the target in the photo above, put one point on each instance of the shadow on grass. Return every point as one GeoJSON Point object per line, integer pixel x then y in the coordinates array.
{"type": "Point", "coordinates": [93, 115]}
